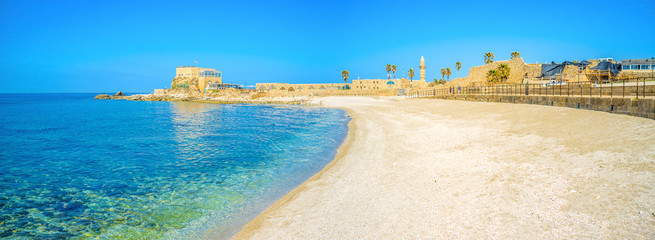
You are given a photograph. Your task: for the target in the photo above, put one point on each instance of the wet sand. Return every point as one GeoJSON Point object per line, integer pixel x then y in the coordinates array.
{"type": "Point", "coordinates": [443, 169]}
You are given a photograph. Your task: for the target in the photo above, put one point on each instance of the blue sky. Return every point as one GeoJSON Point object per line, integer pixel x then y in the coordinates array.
{"type": "Point", "coordinates": [134, 46]}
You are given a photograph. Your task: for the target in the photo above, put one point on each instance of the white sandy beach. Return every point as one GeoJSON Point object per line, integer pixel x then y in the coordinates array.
{"type": "Point", "coordinates": [465, 170]}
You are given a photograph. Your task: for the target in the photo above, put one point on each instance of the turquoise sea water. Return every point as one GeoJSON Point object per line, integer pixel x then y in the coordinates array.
{"type": "Point", "coordinates": [73, 167]}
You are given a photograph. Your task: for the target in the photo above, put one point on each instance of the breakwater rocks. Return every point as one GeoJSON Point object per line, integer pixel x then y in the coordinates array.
{"type": "Point", "coordinates": [118, 95]}
{"type": "Point", "coordinates": [253, 99]}
{"type": "Point", "coordinates": [139, 97]}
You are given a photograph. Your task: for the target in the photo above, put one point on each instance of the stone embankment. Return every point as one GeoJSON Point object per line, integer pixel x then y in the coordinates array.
{"type": "Point", "coordinates": [640, 107]}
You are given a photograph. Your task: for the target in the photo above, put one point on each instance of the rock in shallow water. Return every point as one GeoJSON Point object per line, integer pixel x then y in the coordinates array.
{"type": "Point", "coordinates": [101, 96]}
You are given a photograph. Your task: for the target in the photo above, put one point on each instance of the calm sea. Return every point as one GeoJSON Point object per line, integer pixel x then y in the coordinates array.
{"type": "Point", "coordinates": [74, 167]}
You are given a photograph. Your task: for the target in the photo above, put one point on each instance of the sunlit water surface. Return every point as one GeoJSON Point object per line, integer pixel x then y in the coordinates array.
{"type": "Point", "coordinates": [74, 167]}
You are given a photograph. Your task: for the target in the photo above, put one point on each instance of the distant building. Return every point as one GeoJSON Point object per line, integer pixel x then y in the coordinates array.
{"type": "Point", "coordinates": [638, 64]}
{"type": "Point", "coordinates": [201, 79]}
{"type": "Point", "coordinates": [380, 84]}
{"type": "Point", "coordinates": [198, 77]}
{"type": "Point", "coordinates": [191, 71]}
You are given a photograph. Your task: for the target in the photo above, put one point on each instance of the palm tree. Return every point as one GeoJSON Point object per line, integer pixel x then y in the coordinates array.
{"type": "Point", "coordinates": [448, 72]}
{"type": "Point", "coordinates": [393, 69]}
{"type": "Point", "coordinates": [443, 73]}
{"type": "Point", "coordinates": [410, 74]}
{"type": "Point", "coordinates": [388, 71]}
{"type": "Point", "coordinates": [503, 70]}
{"type": "Point", "coordinates": [458, 65]}
{"type": "Point", "coordinates": [493, 76]}
{"type": "Point", "coordinates": [344, 75]}
{"type": "Point", "coordinates": [488, 57]}
{"type": "Point", "coordinates": [516, 55]}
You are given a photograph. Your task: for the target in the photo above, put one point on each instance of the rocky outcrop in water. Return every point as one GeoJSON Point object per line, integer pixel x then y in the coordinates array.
{"type": "Point", "coordinates": [101, 96]}
{"type": "Point", "coordinates": [224, 97]}
{"type": "Point", "coordinates": [118, 95]}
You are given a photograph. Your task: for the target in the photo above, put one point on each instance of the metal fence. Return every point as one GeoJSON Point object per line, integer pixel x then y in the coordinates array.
{"type": "Point", "coordinates": [636, 87]}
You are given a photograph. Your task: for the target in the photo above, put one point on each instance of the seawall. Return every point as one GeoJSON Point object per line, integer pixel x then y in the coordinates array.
{"type": "Point", "coordinates": [631, 106]}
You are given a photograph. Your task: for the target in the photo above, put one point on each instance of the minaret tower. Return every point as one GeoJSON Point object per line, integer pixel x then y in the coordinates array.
{"type": "Point", "coordinates": [422, 67]}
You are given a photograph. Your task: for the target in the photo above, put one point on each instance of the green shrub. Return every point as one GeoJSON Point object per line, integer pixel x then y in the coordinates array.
{"type": "Point", "coordinates": [493, 76]}
{"type": "Point", "coordinates": [500, 74]}
{"type": "Point", "coordinates": [181, 85]}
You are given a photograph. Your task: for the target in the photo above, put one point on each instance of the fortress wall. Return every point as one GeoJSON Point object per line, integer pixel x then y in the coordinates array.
{"type": "Point", "coordinates": [186, 71]}
{"type": "Point", "coordinates": [518, 71]}
{"type": "Point", "coordinates": [357, 84]}
{"type": "Point", "coordinates": [297, 87]}
{"type": "Point", "coordinates": [321, 93]}
{"type": "Point", "coordinates": [478, 74]}
{"type": "Point", "coordinates": [533, 70]}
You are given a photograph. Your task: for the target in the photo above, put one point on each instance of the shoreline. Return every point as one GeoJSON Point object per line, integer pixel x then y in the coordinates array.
{"type": "Point", "coordinates": [245, 232]}
{"type": "Point", "coordinates": [212, 233]}
{"type": "Point", "coordinates": [465, 181]}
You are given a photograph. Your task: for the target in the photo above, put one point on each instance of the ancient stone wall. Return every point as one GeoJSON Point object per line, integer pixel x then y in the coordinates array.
{"type": "Point", "coordinates": [533, 70]}
{"type": "Point", "coordinates": [518, 72]}
{"type": "Point", "coordinates": [330, 92]}
{"type": "Point", "coordinates": [478, 75]}
{"type": "Point", "coordinates": [298, 87]}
